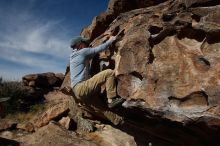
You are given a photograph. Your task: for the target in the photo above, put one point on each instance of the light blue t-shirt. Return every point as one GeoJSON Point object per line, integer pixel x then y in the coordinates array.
{"type": "Point", "coordinates": [79, 62]}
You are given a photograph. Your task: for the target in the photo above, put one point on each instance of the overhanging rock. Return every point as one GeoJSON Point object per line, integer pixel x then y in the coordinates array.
{"type": "Point", "coordinates": [167, 63]}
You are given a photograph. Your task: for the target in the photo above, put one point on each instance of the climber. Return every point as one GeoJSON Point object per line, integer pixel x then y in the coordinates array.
{"type": "Point", "coordinates": [82, 84]}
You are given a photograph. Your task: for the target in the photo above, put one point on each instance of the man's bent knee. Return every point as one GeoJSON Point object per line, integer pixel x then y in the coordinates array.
{"type": "Point", "coordinates": [109, 72]}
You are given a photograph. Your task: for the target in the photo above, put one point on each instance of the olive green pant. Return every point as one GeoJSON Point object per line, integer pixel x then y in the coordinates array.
{"type": "Point", "coordinates": [85, 88]}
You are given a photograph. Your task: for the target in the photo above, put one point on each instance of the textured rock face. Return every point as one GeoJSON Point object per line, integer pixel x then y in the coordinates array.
{"type": "Point", "coordinates": [56, 111]}
{"type": "Point", "coordinates": [174, 53]}
{"type": "Point", "coordinates": [115, 7]}
{"type": "Point", "coordinates": [167, 65]}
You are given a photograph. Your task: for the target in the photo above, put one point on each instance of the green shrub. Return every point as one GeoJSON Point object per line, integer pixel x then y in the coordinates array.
{"type": "Point", "coordinates": [19, 101]}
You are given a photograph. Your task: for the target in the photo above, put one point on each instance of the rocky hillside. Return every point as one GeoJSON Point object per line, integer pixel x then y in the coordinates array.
{"type": "Point", "coordinates": [167, 63]}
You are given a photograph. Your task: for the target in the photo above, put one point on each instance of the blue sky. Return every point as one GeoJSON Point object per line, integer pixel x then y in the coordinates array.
{"type": "Point", "coordinates": [35, 34]}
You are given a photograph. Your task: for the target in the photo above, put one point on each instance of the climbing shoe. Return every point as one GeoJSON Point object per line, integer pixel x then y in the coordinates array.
{"type": "Point", "coordinates": [66, 90]}
{"type": "Point", "coordinates": [115, 102]}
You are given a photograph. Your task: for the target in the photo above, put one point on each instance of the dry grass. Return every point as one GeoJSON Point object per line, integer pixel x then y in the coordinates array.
{"type": "Point", "coordinates": [20, 106]}
{"type": "Point", "coordinates": [26, 116]}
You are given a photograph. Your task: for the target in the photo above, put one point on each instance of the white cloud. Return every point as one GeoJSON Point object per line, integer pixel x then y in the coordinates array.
{"type": "Point", "coordinates": [25, 32]}
{"type": "Point", "coordinates": [37, 38]}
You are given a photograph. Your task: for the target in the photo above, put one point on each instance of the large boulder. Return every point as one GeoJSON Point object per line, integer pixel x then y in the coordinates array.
{"type": "Point", "coordinates": [167, 66]}
{"type": "Point", "coordinates": [36, 86]}
{"type": "Point", "coordinates": [44, 80]}
{"type": "Point", "coordinates": [173, 63]}
{"type": "Point", "coordinates": [53, 112]}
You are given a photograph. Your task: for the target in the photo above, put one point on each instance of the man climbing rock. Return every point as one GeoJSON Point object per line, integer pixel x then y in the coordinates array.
{"type": "Point", "coordinates": [82, 84]}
